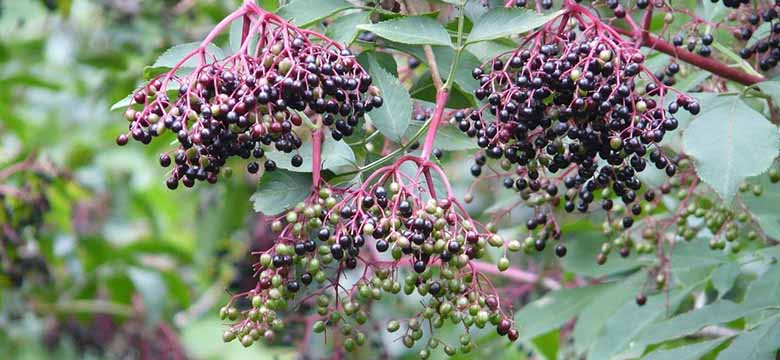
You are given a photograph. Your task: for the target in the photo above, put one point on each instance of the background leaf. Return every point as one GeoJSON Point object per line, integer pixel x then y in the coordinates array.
{"type": "Point", "coordinates": [279, 190]}
{"type": "Point", "coordinates": [501, 22]}
{"type": "Point", "coordinates": [413, 30]}
{"type": "Point", "coordinates": [393, 117]}
{"type": "Point", "coordinates": [307, 12]}
{"type": "Point", "coordinates": [729, 141]}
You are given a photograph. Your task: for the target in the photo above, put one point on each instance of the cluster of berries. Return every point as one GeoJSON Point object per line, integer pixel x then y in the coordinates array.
{"type": "Point", "coordinates": [574, 105]}
{"type": "Point", "coordinates": [252, 101]}
{"type": "Point", "coordinates": [393, 221]}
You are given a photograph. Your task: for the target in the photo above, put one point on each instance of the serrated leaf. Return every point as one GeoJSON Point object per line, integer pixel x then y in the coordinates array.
{"type": "Point", "coordinates": [345, 28]}
{"type": "Point", "coordinates": [501, 22]}
{"type": "Point", "coordinates": [448, 137]}
{"type": "Point", "coordinates": [280, 190]}
{"type": "Point", "coordinates": [554, 309]}
{"type": "Point", "coordinates": [392, 118]}
{"type": "Point", "coordinates": [306, 12]}
{"type": "Point", "coordinates": [686, 352]}
{"type": "Point", "coordinates": [412, 30]}
{"type": "Point", "coordinates": [729, 141]}
{"type": "Point", "coordinates": [759, 343]}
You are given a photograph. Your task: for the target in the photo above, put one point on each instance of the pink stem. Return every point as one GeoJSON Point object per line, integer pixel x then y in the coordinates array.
{"type": "Point", "coordinates": [316, 156]}
{"type": "Point", "coordinates": [441, 101]}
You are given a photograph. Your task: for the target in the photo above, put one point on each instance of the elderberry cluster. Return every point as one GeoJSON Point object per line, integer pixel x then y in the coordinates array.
{"type": "Point", "coordinates": [251, 102]}
{"type": "Point", "coordinates": [575, 107]}
{"type": "Point", "coordinates": [376, 229]}
{"type": "Point", "coordinates": [766, 47]}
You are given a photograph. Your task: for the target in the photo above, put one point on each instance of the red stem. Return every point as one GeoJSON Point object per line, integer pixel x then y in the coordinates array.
{"type": "Point", "coordinates": [441, 101]}
{"type": "Point", "coordinates": [708, 64]}
{"type": "Point", "coordinates": [316, 156]}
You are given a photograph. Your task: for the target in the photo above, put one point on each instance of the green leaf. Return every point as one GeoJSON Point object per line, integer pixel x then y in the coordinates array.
{"type": "Point", "coordinates": [280, 190]}
{"type": "Point", "coordinates": [234, 40]}
{"type": "Point", "coordinates": [687, 352]}
{"type": "Point", "coordinates": [487, 50]}
{"type": "Point", "coordinates": [501, 22]}
{"type": "Point", "coordinates": [771, 88]}
{"type": "Point", "coordinates": [759, 343]}
{"type": "Point", "coordinates": [729, 141]}
{"type": "Point", "coordinates": [718, 312]}
{"type": "Point", "coordinates": [764, 207]}
{"type": "Point", "coordinates": [412, 30]}
{"type": "Point", "coordinates": [337, 156]}
{"type": "Point", "coordinates": [595, 314]}
{"type": "Point", "coordinates": [553, 310]}
{"type": "Point", "coordinates": [344, 29]}
{"type": "Point", "coordinates": [448, 137]}
{"type": "Point", "coordinates": [764, 291]}
{"type": "Point", "coordinates": [724, 276]}
{"type": "Point", "coordinates": [307, 12]}
{"type": "Point", "coordinates": [393, 117]}
{"type": "Point", "coordinates": [423, 89]}
{"type": "Point", "coordinates": [583, 251]}
{"type": "Point", "coordinates": [761, 33]}
{"type": "Point", "coordinates": [547, 345]}
{"type": "Point", "coordinates": [153, 290]}
{"type": "Point", "coordinates": [169, 58]}
{"type": "Point", "coordinates": [386, 61]}
{"type": "Point", "coordinates": [630, 319]}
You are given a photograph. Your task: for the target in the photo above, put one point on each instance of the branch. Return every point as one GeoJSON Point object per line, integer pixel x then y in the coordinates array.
{"type": "Point", "coordinates": [429, 57]}
{"type": "Point", "coordinates": [716, 67]}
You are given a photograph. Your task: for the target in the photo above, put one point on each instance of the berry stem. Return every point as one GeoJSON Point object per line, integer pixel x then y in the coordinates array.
{"type": "Point", "coordinates": [441, 100]}
{"type": "Point", "coordinates": [316, 156]}
{"type": "Point", "coordinates": [514, 273]}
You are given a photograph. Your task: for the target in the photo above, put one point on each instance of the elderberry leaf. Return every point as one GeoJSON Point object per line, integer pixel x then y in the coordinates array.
{"type": "Point", "coordinates": [763, 292]}
{"type": "Point", "coordinates": [392, 118]}
{"type": "Point", "coordinates": [337, 156]}
{"type": "Point", "coordinates": [501, 22]}
{"type": "Point", "coordinates": [173, 55]}
{"type": "Point", "coordinates": [554, 309]}
{"type": "Point", "coordinates": [686, 352]}
{"type": "Point", "coordinates": [280, 190]}
{"type": "Point", "coordinates": [234, 40]}
{"type": "Point", "coordinates": [760, 342]}
{"type": "Point", "coordinates": [729, 142]}
{"type": "Point", "coordinates": [771, 88]}
{"type": "Point", "coordinates": [344, 28]}
{"type": "Point", "coordinates": [413, 30]}
{"type": "Point", "coordinates": [595, 314]}
{"type": "Point", "coordinates": [761, 33]}
{"type": "Point", "coordinates": [307, 12]}
{"type": "Point", "coordinates": [629, 320]}
{"type": "Point", "coordinates": [718, 312]}
{"type": "Point", "coordinates": [724, 276]}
